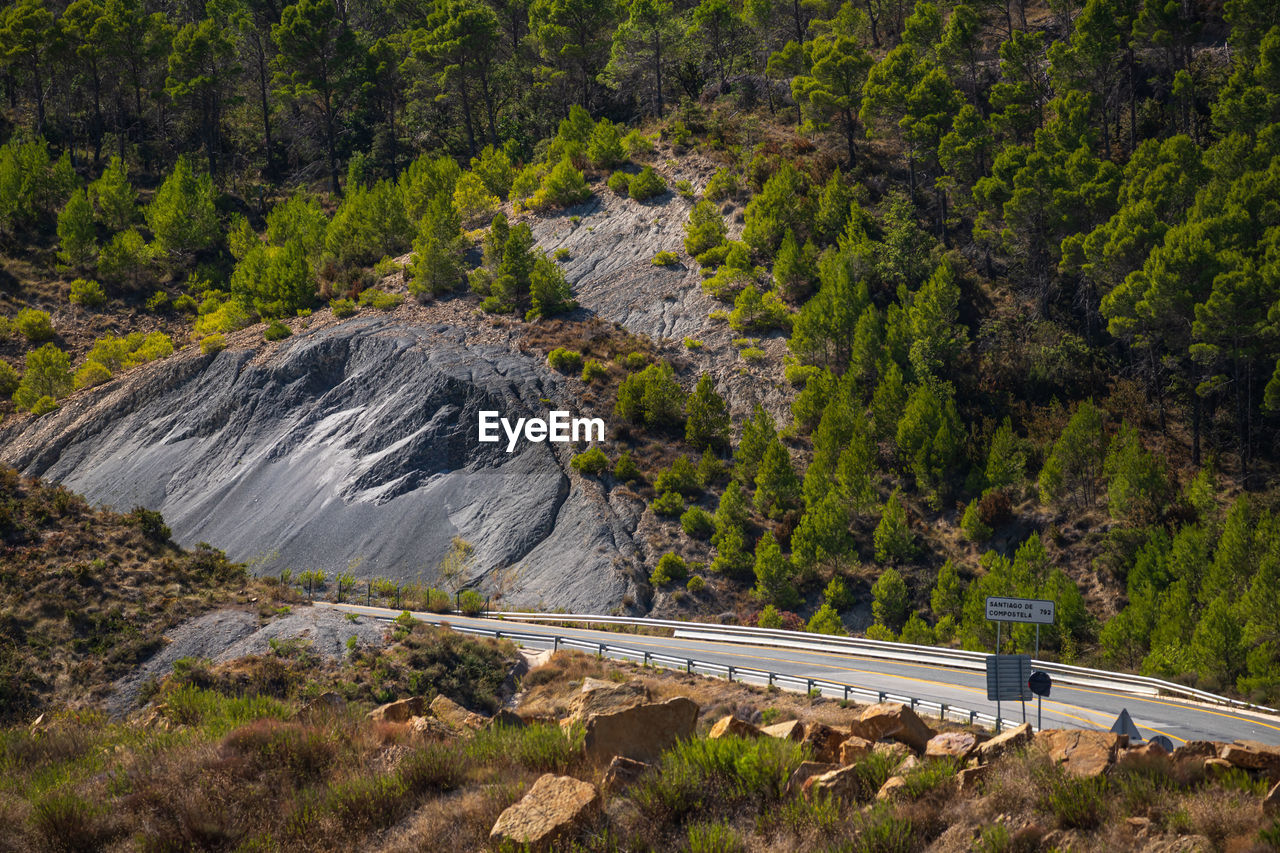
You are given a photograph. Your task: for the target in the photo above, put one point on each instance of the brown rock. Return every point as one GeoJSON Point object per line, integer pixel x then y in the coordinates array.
{"type": "Point", "coordinates": [1216, 768]}
{"type": "Point", "coordinates": [1141, 754]}
{"type": "Point", "coordinates": [731, 725]}
{"type": "Point", "coordinates": [824, 741]}
{"type": "Point", "coordinates": [1196, 749]}
{"type": "Point", "coordinates": [606, 697]}
{"type": "Point", "coordinates": [806, 771]}
{"type": "Point", "coordinates": [1080, 752]}
{"type": "Point", "coordinates": [897, 752]}
{"type": "Point", "coordinates": [893, 720]}
{"type": "Point", "coordinates": [455, 715]}
{"type": "Point", "coordinates": [1251, 755]}
{"type": "Point", "coordinates": [620, 773]}
{"type": "Point", "coordinates": [399, 711]}
{"type": "Point", "coordinates": [844, 783]}
{"type": "Point", "coordinates": [893, 786]}
{"type": "Point", "coordinates": [641, 732]}
{"type": "Point", "coordinates": [951, 745]}
{"type": "Point", "coordinates": [968, 779]}
{"type": "Point", "coordinates": [855, 748]}
{"type": "Point", "coordinates": [1271, 802]}
{"type": "Point", "coordinates": [553, 809]}
{"type": "Point", "coordinates": [1140, 826]}
{"type": "Point", "coordinates": [431, 728]}
{"type": "Point", "coordinates": [790, 730]}
{"type": "Point", "coordinates": [1178, 844]}
{"type": "Point", "coordinates": [1007, 741]}
{"type": "Point", "coordinates": [908, 764]}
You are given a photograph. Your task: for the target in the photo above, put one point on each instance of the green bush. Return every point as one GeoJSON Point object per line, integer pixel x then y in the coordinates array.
{"type": "Point", "coordinates": [380, 299]}
{"type": "Point", "coordinates": [646, 185]}
{"type": "Point", "coordinates": [665, 259]}
{"type": "Point", "coordinates": [91, 374]}
{"type": "Point", "coordinates": [47, 377]}
{"type": "Point", "coordinates": [212, 344]}
{"type": "Point", "coordinates": [9, 379]}
{"type": "Point", "coordinates": [620, 183]}
{"type": "Point", "coordinates": [626, 470]}
{"type": "Point", "coordinates": [723, 184]}
{"type": "Point", "coordinates": [592, 462]}
{"type": "Point", "coordinates": [87, 293]}
{"type": "Point", "coordinates": [1076, 803]}
{"type": "Point", "coordinates": [652, 397]}
{"type": "Point", "coordinates": [471, 603]}
{"type": "Point", "coordinates": [277, 331]}
{"type": "Point", "coordinates": [342, 307]}
{"type": "Point", "coordinates": [437, 601]}
{"type": "Point", "coordinates": [637, 144]}
{"type": "Point", "coordinates": [668, 504]}
{"type": "Point", "coordinates": [685, 188]}
{"type": "Point", "coordinates": [563, 186]}
{"type": "Point", "coordinates": [714, 838]}
{"type": "Point", "coordinates": [671, 569]}
{"type": "Point", "coordinates": [593, 370]}
{"type": "Point", "coordinates": [699, 774]}
{"type": "Point", "coordinates": [34, 325]}
{"type": "Point", "coordinates": [681, 477]}
{"type": "Point", "coordinates": [538, 747]}
{"type": "Point", "coordinates": [697, 522]}
{"type": "Point", "coordinates": [564, 360]}
{"type": "Point", "coordinates": [44, 406]}
{"type": "Point", "coordinates": [696, 584]}
{"type": "Point", "coordinates": [753, 355]}
{"type": "Point", "coordinates": [975, 530]}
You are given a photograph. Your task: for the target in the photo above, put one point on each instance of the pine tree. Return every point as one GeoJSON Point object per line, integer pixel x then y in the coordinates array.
{"type": "Point", "coordinates": [930, 437]}
{"type": "Point", "coordinates": [757, 434]}
{"type": "Point", "coordinates": [777, 486]}
{"type": "Point", "coordinates": [1073, 468]}
{"type": "Point", "coordinates": [890, 600]}
{"type": "Point", "coordinates": [893, 538]}
{"type": "Point", "coordinates": [706, 417]}
{"type": "Point", "coordinates": [822, 537]}
{"type": "Point", "coordinates": [76, 233]}
{"type": "Point", "coordinates": [773, 574]}
{"type": "Point", "coordinates": [116, 199]}
{"type": "Point", "coordinates": [947, 598]}
{"type": "Point", "coordinates": [1138, 487]}
{"type": "Point", "coordinates": [182, 214]}
{"type": "Point", "coordinates": [1006, 459]}
{"type": "Point", "coordinates": [825, 620]}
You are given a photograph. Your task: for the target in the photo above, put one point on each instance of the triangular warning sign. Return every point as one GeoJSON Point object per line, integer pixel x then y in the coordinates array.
{"type": "Point", "coordinates": [1124, 726]}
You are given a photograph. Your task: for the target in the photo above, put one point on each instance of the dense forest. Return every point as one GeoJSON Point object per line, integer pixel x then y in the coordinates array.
{"type": "Point", "coordinates": [1026, 259]}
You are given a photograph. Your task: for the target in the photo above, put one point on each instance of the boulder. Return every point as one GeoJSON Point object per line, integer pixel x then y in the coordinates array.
{"type": "Point", "coordinates": [554, 808]}
{"type": "Point", "coordinates": [855, 748]}
{"type": "Point", "coordinates": [1271, 802]}
{"type": "Point", "coordinates": [956, 745]}
{"type": "Point", "coordinates": [790, 730]}
{"type": "Point", "coordinates": [1080, 752]}
{"type": "Point", "coordinates": [1007, 741]}
{"type": "Point", "coordinates": [322, 706]}
{"type": "Point", "coordinates": [641, 732]}
{"type": "Point", "coordinates": [1141, 754]}
{"type": "Point", "coordinates": [893, 720]}
{"type": "Point", "coordinates": [894, 786]}
{"type": "Point", "coordinates": [505, 718]}
{"type": "Point", "coordinates": [806, 771]}
{"type": "Point", "coordinates": [431, 728]}
{"type": "Point", "coordinates": [968, 779]}
{"type": "Point", "coordinates": [908, 764]}
{"type": "Point", "coordinates": [897, 752]}
{"type": "Point", "coordinates": [399, 711]}
{"type": "Point", "coordinates": [1196, 749]}
{"type": "Point", "coordinates": [824, 741]}
{"type": "Point", "coordinates": [844, 783]}
{"type": "Point", "coordinates": [1251, 755]}
{"type": "Point", "coordinates": [620, 773]}
{"type": "Point", "coordinates": [1216, 768]}
{"type": "Point", "coordinates": [606, 697]}
{"type": "Point", "coordinates": [453, 714]}
{"type": "Point", "coordinates": [731, 725]}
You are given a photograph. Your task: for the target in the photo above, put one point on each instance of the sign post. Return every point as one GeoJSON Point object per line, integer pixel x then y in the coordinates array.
{"type": "Point", "coordinates": [1027, 611]}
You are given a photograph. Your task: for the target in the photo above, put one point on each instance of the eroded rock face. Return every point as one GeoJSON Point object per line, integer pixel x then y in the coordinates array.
{"type": "Point", "coordinates": [640, 733]}
{"type": "Point", "coordinates": [349, 441]}
{"type": "Point", "coordinates": [554, 808]}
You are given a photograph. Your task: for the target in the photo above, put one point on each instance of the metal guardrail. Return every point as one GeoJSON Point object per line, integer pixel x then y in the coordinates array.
{"type": "Point", "coordinates": [746, 675]}
{"type": "Point", "coordinates": [957, 658]}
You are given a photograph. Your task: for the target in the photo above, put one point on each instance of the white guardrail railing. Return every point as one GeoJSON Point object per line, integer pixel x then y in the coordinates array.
{"type": "Point", "coordinates": [957, 658]}
{"type": "Point", "coordinates": [746, 675]}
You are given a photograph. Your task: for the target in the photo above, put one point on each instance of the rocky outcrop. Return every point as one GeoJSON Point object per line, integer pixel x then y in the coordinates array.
{"type": "Point", "coordinates": [1080, 752]}
{"type": "Point", "coordinates": [846, 783]}
{"type": "Point", "coordinates": [893, 720]}
{"type": "Point", "coordinates": [1013, 739]}
{"type": "Point", "coordinates": [399, 711]}
{"type": "Point", "coordinates": [351, 441]}
{"type": "Point", "coordinates": [824, 741]}
{"type": "Point", "coordinates": [806, 771]}
{"type": "Point", "coordinates": [1252, 755]}
{"type": "Point", "coordinates": [642, 732]}
{"type": "Point", "coordinates": [606, 697]}
{"type": "Point", "coordinates": [455, 716]}
{"type": "Point", "coordinates": [855, 749]}
{"type": "Point", "coordinates": [553, 809]}
{"type": "Point", "coordinates": [790, 730]}
{"type": "Point", "coordinates": [732, 726]}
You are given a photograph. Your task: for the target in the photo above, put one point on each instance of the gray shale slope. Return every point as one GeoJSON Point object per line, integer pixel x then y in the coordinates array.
{"type": "Point", "coordinates": [349, 445]}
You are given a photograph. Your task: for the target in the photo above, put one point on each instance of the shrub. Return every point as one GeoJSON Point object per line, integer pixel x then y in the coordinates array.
{"type": "Point", "coordinates": [652, 397]}
{"type": "Point", "coordinates": [681, 477]}
{"type": "Point", "coordinates": [697, 522]}
{"type": "Point", "coordinates": [696, 584]}
{"type": "Point", "coordinates": [753, 355]}
{"type": "Point", "coordinates": [769, 617]}
{"type": "Point", "coordinates": [592, 462]}
{"type": "Point", "coordinates": [66, 821]}
{"type": "Point", "coordinates": [632, 360]}
{"type": "Point", "coordinates": [693, 344]}
{"type": "Point", "coordinates": [218, 316]}
{"type": "Point", "coordinates": [91, 374]}
{"type": "Point", "coordinates": [471, 603]}
{"type": "Point", "coordinates": [47, 375]}
{"type": "Point", "coordinates": [9, 379]}
{"type": "Point", "coordinates": [564, 360]}
{"type": "Point", "coordinates": [380, 299]}
{"type": "Point", "coordinates": [1076, 803]}
{"type": "Point", "coordinates": [34, 325]}
{"type": "Point", "coordinates": [723, 184]}
{"type": "Point", "coordinates": [714, 838]}
{"type": "Point", "coordinates": [277, 331]}
{"type": "Point", "coordinates": [620, 183]}
{"type": "Point", "coordinates": [626, 470]}
{"type": "Point", "coordinates": [757, 312]}
{"type": "Point", "coordinates": [561, 254]}
{"type": "Point", "coordinates": [437, 601]}
{"type": "Point", "coordinates": [185, 303]}
{"type": "Point", "coordinates": [342, 307]}
{"type": "Point", "coordinates": [563, 186]}
{"type": "Point", "coordinates": [698, 774]}
{"type": "Point", "coordinates": [637, 144]}
{"type": "Point", "coordinates": [593, 370]}
{"type": "Point", "coordinates": [669, 504]}
{"type": "Point", "coordinates": [975, 530]}
{"type": "Point", "coordinates": [684, 188]}
{"type": "Point", "coordinates": [665, 259]}
{"type": "Point", "coordinates": [87, 293]}
{"type": "Point", "coordinates": [646, 185]}
{"type": "Point", "coordinates": [671, 568]}
{"type": "Point", "coordinates": [212, 344]}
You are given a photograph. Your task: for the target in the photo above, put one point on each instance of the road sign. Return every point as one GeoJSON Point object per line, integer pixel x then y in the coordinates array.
{"type": "Point", "coordinates": [1124, 726]}
{"type": "Point", "coordinates": [1007, 677]}
{"type": "Point", "coordinates": [1164, 742]}
{"type": "Point", "coordinates": [1029, 610]}
{"type": "Point", "coordinates": [1040, 682]}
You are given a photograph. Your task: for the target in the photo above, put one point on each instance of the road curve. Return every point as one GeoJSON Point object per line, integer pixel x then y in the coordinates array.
{"type": "Point", "coordinates": [1068, 707]}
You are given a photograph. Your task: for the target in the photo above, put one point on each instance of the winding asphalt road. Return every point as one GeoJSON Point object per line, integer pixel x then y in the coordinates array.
{"type": "Point", "coordinates": [1067, 707]}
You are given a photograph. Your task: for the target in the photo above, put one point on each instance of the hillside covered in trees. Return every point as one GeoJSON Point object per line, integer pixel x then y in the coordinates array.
{"type": "Point", "coordinates": [1017, 266]}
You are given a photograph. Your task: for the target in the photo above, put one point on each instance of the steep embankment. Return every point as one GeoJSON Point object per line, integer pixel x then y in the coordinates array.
{"type": "Point", "coordinates": [349, 444]}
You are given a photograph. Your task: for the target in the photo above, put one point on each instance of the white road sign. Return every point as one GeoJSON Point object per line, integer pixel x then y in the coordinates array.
{"type": "Point", "coordinates": [1030, 610]}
